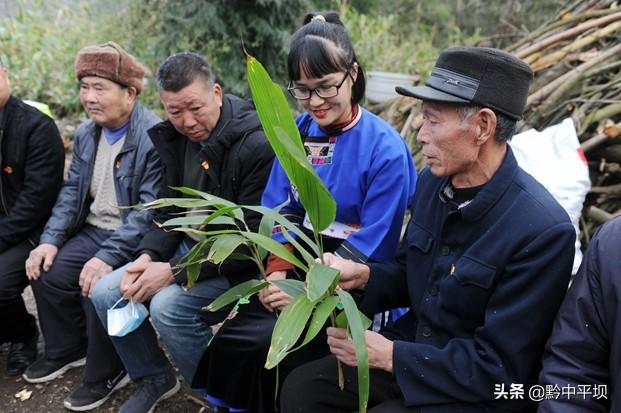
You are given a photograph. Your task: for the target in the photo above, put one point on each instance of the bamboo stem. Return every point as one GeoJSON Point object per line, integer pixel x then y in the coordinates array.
{"type": "Point", "coordinates": [559, 22]}
{"type": "Point", "coordinates": [543, 92]}
{"type": "Point", "coordinates": [601, 114]}
{"type": "Point", "coordinates": [338, 362]}
{"type": "Point", "coordinates": [550, 59]}
{"type": "Point", "coordinates": [569, 33]}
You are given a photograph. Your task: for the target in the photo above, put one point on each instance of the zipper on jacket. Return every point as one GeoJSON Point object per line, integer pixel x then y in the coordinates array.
{"type": "Point", "coordinates": [117, 181]}
{"type": "Point", "coordinates": [81, 213]}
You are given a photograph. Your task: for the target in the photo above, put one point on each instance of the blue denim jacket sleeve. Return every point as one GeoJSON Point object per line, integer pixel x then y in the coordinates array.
{"type": "Point", "coordinates": [65, 212]}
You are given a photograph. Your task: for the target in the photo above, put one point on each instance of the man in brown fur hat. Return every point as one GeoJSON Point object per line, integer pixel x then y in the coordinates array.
{"type": "Point", "coordinates": [87, 236]}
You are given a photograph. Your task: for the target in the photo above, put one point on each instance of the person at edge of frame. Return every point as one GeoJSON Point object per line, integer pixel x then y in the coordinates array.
{"type": "Point", "coordinates": [33, 158]}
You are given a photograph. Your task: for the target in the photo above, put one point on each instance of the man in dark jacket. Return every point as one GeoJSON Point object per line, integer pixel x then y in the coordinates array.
{"type": "Point", "coordinates": [113, 164]}
{"type": "Point", "coordinates": [484, 264]}
{"type": "Point", "coordinates": [32, 160]}
{"type": "Point", "coordinates": [215, 143]}
{"type": "Point", "coordinates": [582, 361]}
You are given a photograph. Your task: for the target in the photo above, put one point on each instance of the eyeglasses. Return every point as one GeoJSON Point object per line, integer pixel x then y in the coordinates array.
{"type": "Point", "coordinates": [324, 92]}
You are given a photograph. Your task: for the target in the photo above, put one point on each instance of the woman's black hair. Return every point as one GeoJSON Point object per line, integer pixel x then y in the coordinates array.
{"type": "Point", "coordinates": [321, 47]}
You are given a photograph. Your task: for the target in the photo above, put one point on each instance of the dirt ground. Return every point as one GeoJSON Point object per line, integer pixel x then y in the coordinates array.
{"type": "Point", "coordinates": [48, 397]}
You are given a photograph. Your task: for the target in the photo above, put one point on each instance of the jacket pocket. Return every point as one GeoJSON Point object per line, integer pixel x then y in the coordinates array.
{"type": "Point", "coordinates": [464, 293]}
{"type": "Point", "coordinates": [469, 271]}
{"type": "Point", "coordinates": [419, 238]}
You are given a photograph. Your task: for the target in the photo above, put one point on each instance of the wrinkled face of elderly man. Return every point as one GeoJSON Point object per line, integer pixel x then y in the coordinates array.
{"type": "Point", "coordinates": [453, 142]}
{"type": "Point", "coordinates": [107, 103]}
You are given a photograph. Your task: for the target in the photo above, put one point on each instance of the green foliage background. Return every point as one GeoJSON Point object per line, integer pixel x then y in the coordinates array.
{"type": "Point", "coordinates": [40, 42]}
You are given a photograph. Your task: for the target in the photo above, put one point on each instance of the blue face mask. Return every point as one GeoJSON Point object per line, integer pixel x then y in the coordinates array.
{"type": "Point", "coordinates": [122, 321]}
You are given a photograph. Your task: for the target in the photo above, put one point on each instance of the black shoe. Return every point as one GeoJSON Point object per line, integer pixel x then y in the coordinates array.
{"type": "Point", "coordinates": [89, 396]}
{"type": "Point", "coordinates": [45, 369]}
{"type": "Point", "coordinates": [151, 391]}
{"type": "Point", "coordinates": [22, 355]}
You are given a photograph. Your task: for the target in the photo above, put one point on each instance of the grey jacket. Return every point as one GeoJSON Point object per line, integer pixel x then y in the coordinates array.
{"type": "Point", "coordinates": [137, 178]}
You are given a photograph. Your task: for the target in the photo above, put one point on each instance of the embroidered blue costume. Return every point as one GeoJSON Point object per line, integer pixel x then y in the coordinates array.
{"type": "Point", "coordinates": [368, 170]}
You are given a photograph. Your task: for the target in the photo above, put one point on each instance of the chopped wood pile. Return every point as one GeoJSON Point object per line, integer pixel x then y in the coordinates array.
{"type": "Point", "coordinates": [577, 64]}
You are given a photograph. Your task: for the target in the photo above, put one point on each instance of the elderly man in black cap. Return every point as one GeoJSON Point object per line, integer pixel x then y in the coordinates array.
{"type": "Point", "coordinates": [113, 164]}
{"type": "Point", "coordinates": [484, 264]}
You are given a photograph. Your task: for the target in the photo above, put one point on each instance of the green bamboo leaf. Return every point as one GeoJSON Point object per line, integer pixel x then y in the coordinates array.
{"type": "Point", "coordinates": [308, 258]}
{"type": "Point", "coordinates": [205, 233]}
{"type": "Point", "coordinates": [288, 329]}
{"type": "Point", "coordinates": [240, 257]}
{"type": "Point", "coordinates": [195, 254]}
{"type": "Point", "coordinates": [319, 279]}
{"type": "Point", "coordinates": [291, 287]}
{"type": "Point", "coordinates": [269, 100]}
{"type": "Point", "coordinates": [196, 220]}
{"type": "Point", "coordinates": [285, 223]}
{"type": "Point", "coordinates": [357, 334]}
{"type": "Point", "coordinates": [231, 211]}
{"type": "Point", "coordinates": [298, 155]}
{"type": "Point", "coordinates": [192, 220]}
{"type": "Point", "coordinates": [193, 260]}
{"type": "Point", "coordinates": [274, 247]}
{"type": "Point", "coordinates": [223, 247]}
{"type": "Point", "coordinates": [341, 320]}
{"type": "Point", "coordinates": [193, 271]}
{"type": "Point", "coordinates": [214, 200]}
{"type": "Point", "coordinates": [265, 228]}
{"type": "Point", "coordinates": [287, 227]}
{"type": "Point", "coordinates": [284, 137]}
{"type": "Point", "coordinates": [314, 196]}
{"type": "Point", "coordinates": [221, 221]}
{"type": "Point", "coordinates": [178, 202]}
{"type": "Point", "coordinates": [240, 290]}
{"type": "Point", "coordinates": [320, 316]}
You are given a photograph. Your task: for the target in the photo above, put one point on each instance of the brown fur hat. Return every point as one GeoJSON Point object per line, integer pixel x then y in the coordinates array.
{"type": "Point", "coordinates": [111, 62]}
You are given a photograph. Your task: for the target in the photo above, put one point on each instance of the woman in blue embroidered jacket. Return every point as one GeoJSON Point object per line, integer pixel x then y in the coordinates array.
{"type": "Point", "coordinates": [368, 170]}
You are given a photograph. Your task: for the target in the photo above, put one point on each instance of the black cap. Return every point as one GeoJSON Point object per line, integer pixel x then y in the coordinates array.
{"type": "Point", "coordinates": [479, 76]}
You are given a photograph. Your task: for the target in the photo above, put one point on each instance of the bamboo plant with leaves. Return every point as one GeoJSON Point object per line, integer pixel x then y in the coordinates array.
{"type": "Point", "coordinates": [314, 301]}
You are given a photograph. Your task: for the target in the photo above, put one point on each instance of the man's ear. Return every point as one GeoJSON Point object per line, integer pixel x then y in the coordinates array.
{"type": "Point", "coordinates": [486, 125]}
{"type": "Point", "coordinates": [132, 93]}
{"type": "Point", "coordinates": [218, 93]}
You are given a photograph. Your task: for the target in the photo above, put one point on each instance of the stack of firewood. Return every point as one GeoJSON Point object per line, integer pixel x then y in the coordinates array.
{"type": "Point", "coordinates": [577, 63]}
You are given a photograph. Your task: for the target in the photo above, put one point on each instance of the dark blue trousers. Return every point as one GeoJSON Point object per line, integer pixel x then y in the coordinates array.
{"type": "Point", "coordinates": [318, 382]}
{"type": "Point", "coordinates": [68, 320]}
